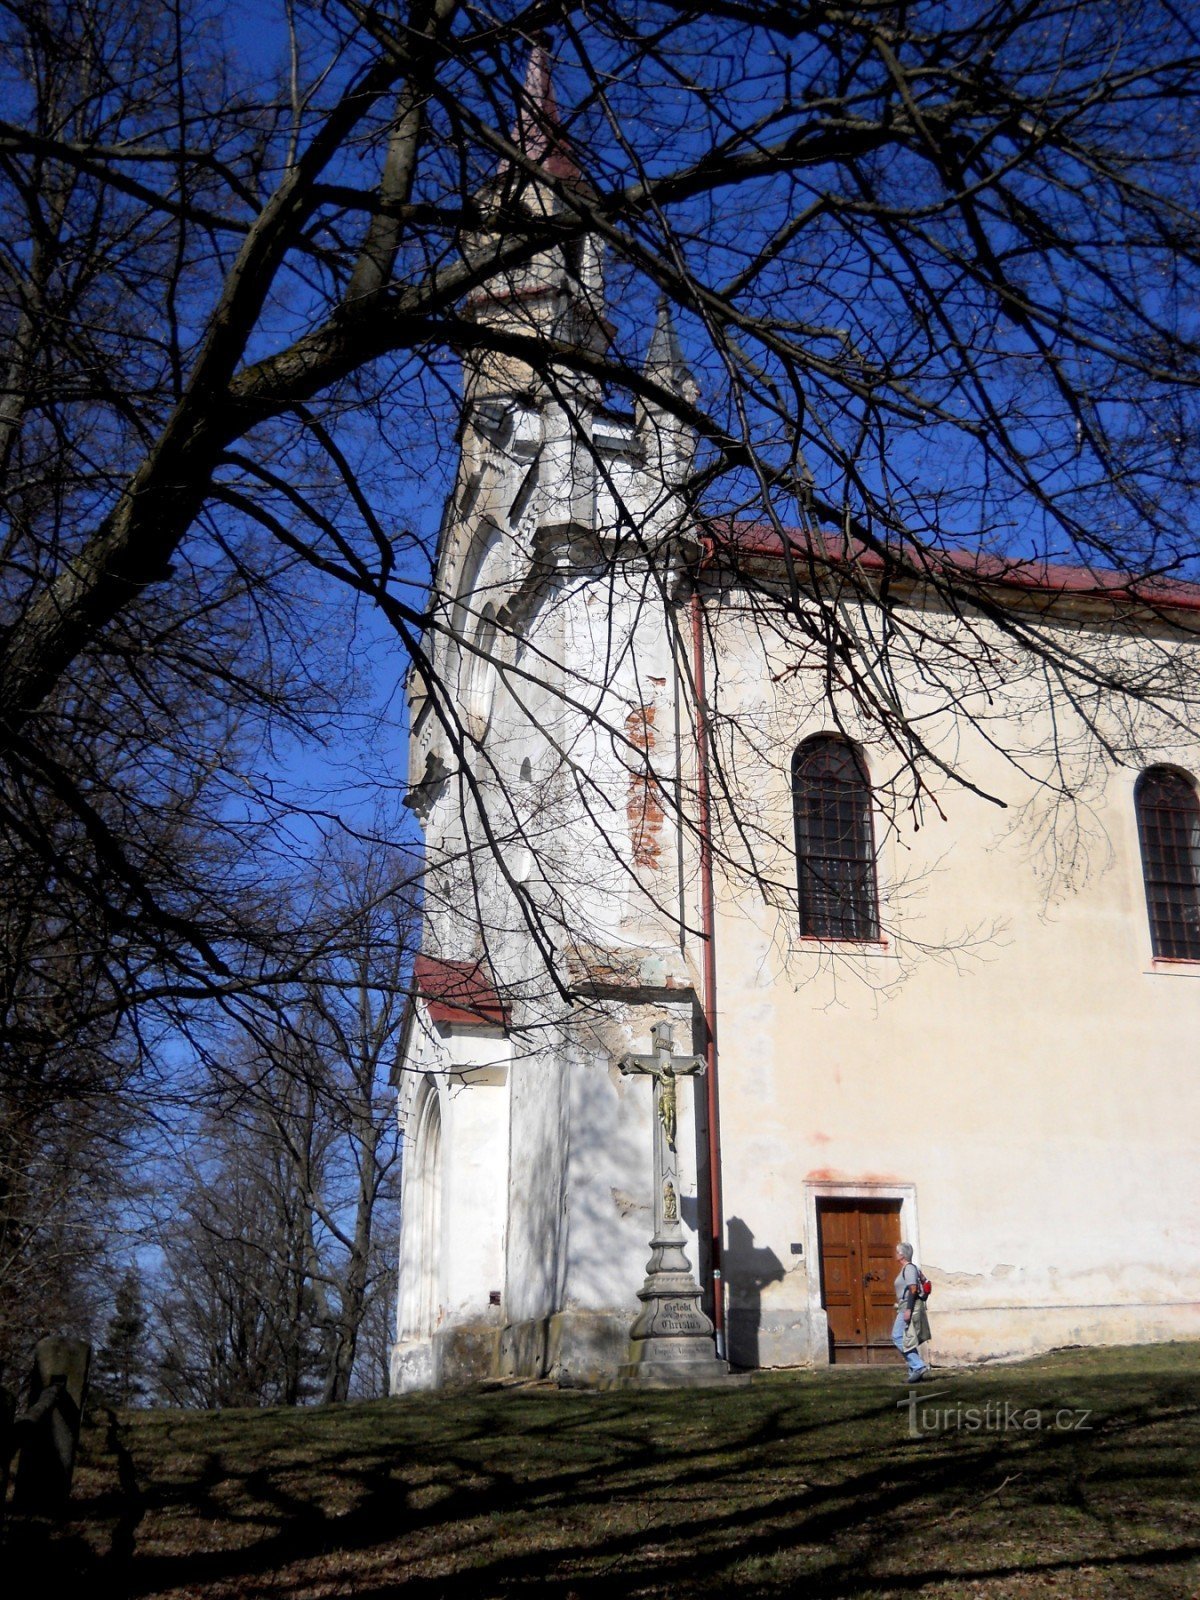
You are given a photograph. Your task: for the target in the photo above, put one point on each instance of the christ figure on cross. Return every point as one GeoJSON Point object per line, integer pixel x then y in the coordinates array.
{"type": "Point", "coordinates": [665, 1068]}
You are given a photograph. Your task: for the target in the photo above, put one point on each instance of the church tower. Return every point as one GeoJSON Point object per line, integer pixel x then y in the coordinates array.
{"type": "Point", "coordinates": [539, 780]}
{"type": "Point", "coordinates": [552, 296]}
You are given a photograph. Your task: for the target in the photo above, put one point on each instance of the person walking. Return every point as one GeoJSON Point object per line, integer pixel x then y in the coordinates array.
{"type": "Point", "coordinates": [911, 1327]}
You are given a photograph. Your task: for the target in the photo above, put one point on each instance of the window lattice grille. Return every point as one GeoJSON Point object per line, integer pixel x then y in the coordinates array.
{"type": "Point", "coordinates": [1168, 814]}
{"type": "Point", "coordinates": [835, 843]}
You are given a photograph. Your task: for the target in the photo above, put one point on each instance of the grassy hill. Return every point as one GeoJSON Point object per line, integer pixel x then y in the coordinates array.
{"type": "Point", "coordinates": [807, 1484]}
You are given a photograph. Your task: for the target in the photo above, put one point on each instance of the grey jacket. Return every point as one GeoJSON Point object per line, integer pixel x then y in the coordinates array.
{"type": "Point", "coordinates": [917, 1331]}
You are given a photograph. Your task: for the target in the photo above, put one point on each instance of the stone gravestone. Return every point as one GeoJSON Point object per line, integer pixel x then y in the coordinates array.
{"type": "Point", "coordinates": [671, 1342]}
{"type": "Point", "coordinates": [49, 1428]}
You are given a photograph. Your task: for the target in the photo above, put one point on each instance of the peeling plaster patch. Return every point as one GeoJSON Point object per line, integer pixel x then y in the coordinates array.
{"type": "Point", "coordinates": [776, 1294]}
{"type": "Point", "coordinates": [626, 1204]}
{"type": "Point", "coordinates": [643, 807]}
{"type": "Point", "coordinates": [1002, 1270]}
{"type": "Point", "coordinates": [953, 1280]}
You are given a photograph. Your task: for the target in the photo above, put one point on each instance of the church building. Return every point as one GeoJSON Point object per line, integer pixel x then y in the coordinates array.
{"type": "Point", "coordinates": [943, 983]}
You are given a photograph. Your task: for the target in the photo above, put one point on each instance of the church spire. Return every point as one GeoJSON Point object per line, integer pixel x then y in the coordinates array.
{"type": "Point", "coordinates": [669, 443]}
{"type": "Point", "coordinates": [664, 358]}
{"type": "Point", "coordinates": [538, 131]}
{"type": "Point", "coordinates": [559, 291]}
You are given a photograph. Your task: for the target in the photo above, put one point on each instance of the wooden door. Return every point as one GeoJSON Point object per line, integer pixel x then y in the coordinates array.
{"type": "Point", "coordinates": [858, 1240]}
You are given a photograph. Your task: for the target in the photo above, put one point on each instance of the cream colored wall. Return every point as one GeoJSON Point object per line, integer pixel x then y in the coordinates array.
{"type": "Point", "coordinates": [1009, 1053]}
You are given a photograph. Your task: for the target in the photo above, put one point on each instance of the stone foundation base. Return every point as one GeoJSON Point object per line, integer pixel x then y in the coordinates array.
{"type": "Point", "coordinates": [585, 1347]}
{"type": "Point", "coordinates": [579, 1349]}
{"type": "Point", "coordinates": [411, 1367]}
{"type": "Point", "coordinates": [522, 1352]}
{"type": "Point", "coordinates": [592, 1348]}
{"type": "Point", "coordinates": [452, 1359]}
{"type": "Point", "coordinates": [465, 1354]}
{"type": "Point", "coordinates": [574, 1348]}
{"type": "Point", "coordinates": [963, 1334]}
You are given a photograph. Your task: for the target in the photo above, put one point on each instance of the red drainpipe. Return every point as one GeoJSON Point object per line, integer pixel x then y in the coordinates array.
{"type": "Point", "coordinates": [710, 974]}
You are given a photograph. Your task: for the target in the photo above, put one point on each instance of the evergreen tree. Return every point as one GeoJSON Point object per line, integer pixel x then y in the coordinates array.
{"type": "Point", "coordinates": [121, 1367]}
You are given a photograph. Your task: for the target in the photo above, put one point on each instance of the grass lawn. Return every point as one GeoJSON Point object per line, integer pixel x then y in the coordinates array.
{"type": "Point", "coordinates": [804, 1484]}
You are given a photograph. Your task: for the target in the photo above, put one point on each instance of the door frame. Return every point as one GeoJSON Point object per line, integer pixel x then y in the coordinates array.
{"type": "Point", "coordinates": [906, 1193]}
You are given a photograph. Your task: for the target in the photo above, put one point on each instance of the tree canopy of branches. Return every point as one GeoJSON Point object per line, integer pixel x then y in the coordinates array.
{"type": "Point", "coordinates": [936, 267]}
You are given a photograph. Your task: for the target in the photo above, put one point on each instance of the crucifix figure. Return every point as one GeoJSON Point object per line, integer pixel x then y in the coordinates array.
{"type": "Point", "coordinates": [665, 1068]}
{"type": "Point", "coordinates": [671, 1342]}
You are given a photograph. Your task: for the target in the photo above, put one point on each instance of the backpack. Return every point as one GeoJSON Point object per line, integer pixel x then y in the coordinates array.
{"type": "Point", "coordinates": [923, 1286]}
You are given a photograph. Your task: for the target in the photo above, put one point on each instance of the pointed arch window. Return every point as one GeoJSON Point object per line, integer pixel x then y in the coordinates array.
{"type": "Point", "coordinates": [835, 841]}
{"type": "Point", "coordinates": [1168, 814]}
{"type": "Point", "coordinates": [478, 675]}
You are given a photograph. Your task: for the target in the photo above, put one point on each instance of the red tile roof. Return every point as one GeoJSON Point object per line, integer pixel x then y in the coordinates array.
{"type": "Point", "coordinates": [459, 992]}
{"type": "Point", "coordinates": [732, 538]}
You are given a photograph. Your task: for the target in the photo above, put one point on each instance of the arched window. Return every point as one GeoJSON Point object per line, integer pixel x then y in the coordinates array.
{"type": "Point", "coordinates": [835, 841]}
{"type": "Point", "coordinates": [421, 1234]}
{"type": "Point", "coordinates": [478, 675]}
{"type": "Point", "coordinates": [1168, 814]}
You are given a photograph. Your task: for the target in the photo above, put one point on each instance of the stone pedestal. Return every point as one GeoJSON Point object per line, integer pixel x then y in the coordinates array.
{"type": "Point", "coordinates": [671, 1343]}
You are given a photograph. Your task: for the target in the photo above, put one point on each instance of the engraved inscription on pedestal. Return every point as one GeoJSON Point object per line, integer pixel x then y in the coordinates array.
{"type": "Point", "coordinates": [681, 1316]}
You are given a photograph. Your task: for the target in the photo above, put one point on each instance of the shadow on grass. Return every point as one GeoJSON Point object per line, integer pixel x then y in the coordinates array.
{"type": "Point", "coordinates": [803, 1483]}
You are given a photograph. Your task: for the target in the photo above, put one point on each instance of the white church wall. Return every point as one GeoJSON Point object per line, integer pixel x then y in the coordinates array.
{"type": "Point", "coordinates": [537, 1202]}
{"type": "Point", "coordinates": [454, 1104]}
{"type": "Point", "coordinates": [610, 1218]}
{"type": "Point", "coordinates": [419, 1297]}
{"type": "Point", "coordinates": [477, 1128]}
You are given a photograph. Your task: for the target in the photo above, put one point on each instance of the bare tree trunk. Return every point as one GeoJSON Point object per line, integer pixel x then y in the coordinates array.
{"type": "Point", "coordinates": [356, 1273]}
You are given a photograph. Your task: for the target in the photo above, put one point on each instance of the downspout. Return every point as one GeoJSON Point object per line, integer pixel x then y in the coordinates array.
{"type": "Point", "coordinates": [708, 927]}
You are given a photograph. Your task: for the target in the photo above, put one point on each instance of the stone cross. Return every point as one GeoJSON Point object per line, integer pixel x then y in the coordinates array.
{"type": "Point", "coordinates": [665, 1068]}
{"type": "Point", "coordinates": [671, 1342]}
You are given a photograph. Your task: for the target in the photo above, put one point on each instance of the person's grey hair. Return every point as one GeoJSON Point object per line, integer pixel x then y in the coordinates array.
{"type": "Point", "coordinates": [905, 1250]}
